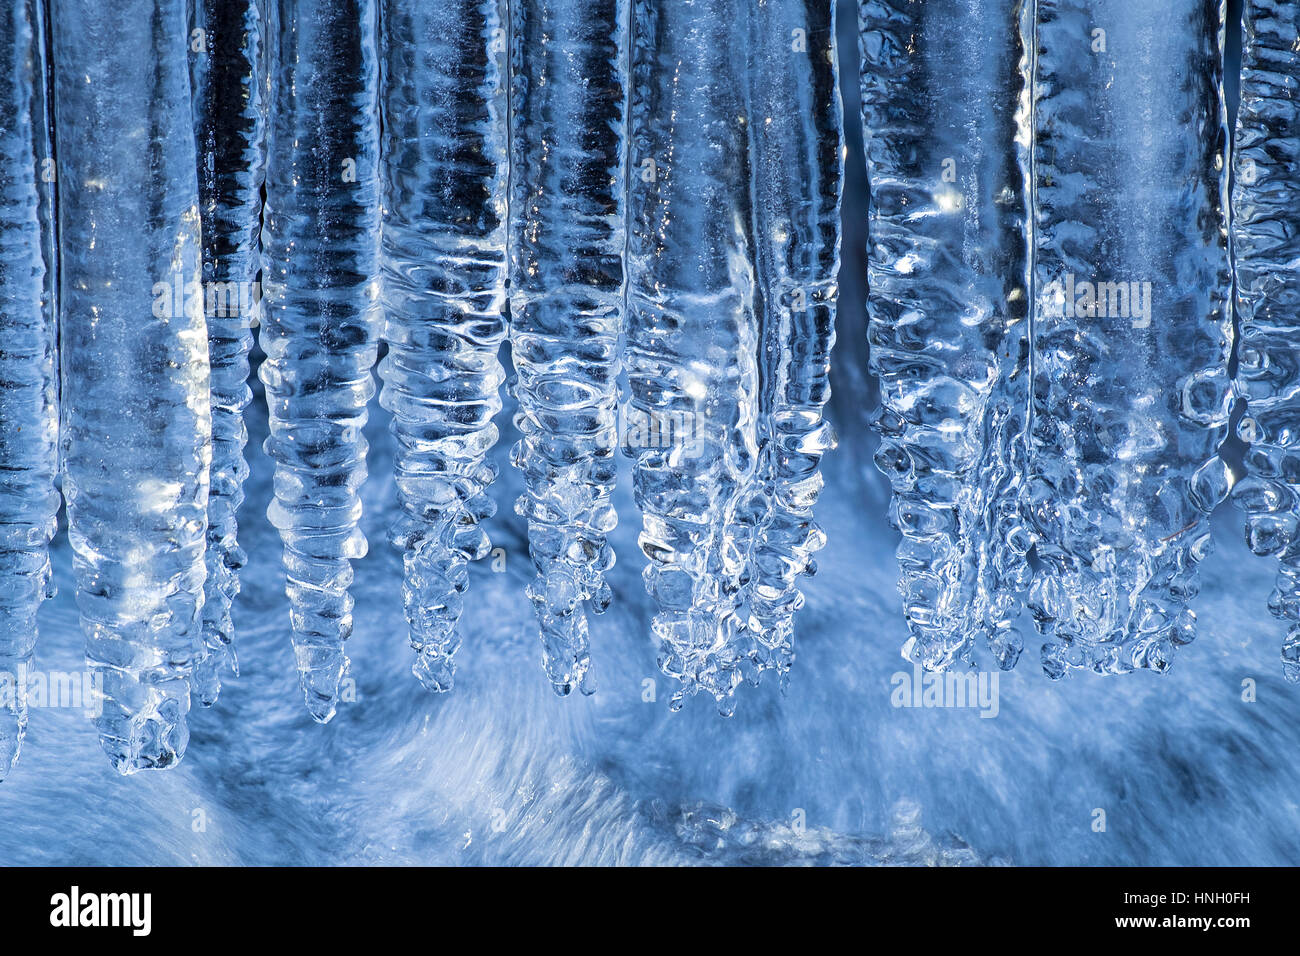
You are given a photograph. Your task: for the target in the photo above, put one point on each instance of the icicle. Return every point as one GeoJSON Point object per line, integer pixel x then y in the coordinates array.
{"type": "Point", "coordinates": [568, 135]}
{"type": "Point", "coordinates": [28, 389]}
{"type": "Point", "coordinates": [948, 311]}
{"type": "Point", "coordinates": [797, 149]}
{"type": "Point", "coordinates": [1132, 327]}
{"type": "Point", "coordinates": [134, 362]}
{"type": "Point", "coordinates": [444, 292]}
{"type": "Point", "coordinates": [226, 52]}
{"type": "Point", "coordinates": [320, 326]}
{"type": "Point", "coordinates": [1266, 243]}
{"type": "Point", "coordinates": [692, 333]}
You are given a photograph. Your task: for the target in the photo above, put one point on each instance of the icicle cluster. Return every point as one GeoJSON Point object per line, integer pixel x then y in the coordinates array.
{"type": "Point", "coordinates": [638, 192]}
{"type": "Point", "coordinates": [656, 187]}
{"type": "Point", "coordinates": [732, 251]}
{"type": "Point", "coordinates": [1050, 314]}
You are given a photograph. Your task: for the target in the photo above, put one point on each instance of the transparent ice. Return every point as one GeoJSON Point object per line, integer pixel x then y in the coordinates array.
{"type": "Point", "coordinates": [1131, 324]}
{"type": "Point", "coordinates": [568, 135]}
{"type": "Point", "coordinates": [730, 153]}
{"type": "Point", "coordinates": [944, 116]}
{"type": "Point", "coordinates": [227, 70]}
{"type": "Point", "coordinates": [133, 352]}
{"type": "Point", "coordinates": [693, 332]}
{"type": "Point", "coordinates": [444, 262]}
{"type": "Point", "coordinates": [320, 330]}
{"type": "Point", "coordinates": [1266, 250]}
{"type": "Point", "coordinates": [796, 149]}
{"type": "Point", "coordinates": [29, 500]}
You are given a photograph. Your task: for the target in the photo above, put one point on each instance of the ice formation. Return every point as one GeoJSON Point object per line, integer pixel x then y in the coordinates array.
{"type": "Point", "coordinates": [1049, 318]}
{"type": "Point", "coordinates": [1131, 324]}
{"type": "Point", "coordinates": [227, 68]}
{"type": "Point", "coordinates": [135, 427]}
{"type": "Point", "coordinates": [28, 388]}
{"type": "Point", "coordinates": [642, 200]}
{"type": "Point", "coordinates": [444, 260]}
{"type": "Point", "coordinates": [943, 112]}
{"type": "Point", "coordinates": [568, 135]}
{"type": "Point", "coordinates": [1266, 250]}
{"type": "Point", "coordinates": [320, 329]}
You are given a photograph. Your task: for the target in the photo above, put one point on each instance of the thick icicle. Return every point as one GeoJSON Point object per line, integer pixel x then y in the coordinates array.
{"type": "Point", "coordinates": [1131, 329]}
{"type": "Point", "coordinates": [28, 388]}
{"type": "Point", "coordinates": [947, 310]}
{"type": "Point", "coordinates": [226, 57]}
{"type": "Point", "coordinates": [568, 179]}
{"type": "Point", "coordinates": [444, 252]}
{"type": "Point", "coordinates": [134, 360]}
{"type": "Point", "coordinates": [692, 333]}
{"type": "Point", "coordinates": [797, 158]}
{"type": "Point", "coordinates": [1266, 244]}
{"type": "Point", "coordinates": [320, 242]}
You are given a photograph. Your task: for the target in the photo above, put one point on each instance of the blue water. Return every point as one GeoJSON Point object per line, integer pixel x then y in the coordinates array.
{"type": "Point", "coordinates": [502, 771]}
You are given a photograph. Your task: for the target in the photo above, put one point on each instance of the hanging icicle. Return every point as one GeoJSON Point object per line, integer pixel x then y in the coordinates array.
{"type": "Point", "coordinates": [444, 291]}
{"type": "Point", "coordinates": [948, 311]}
{"type": "Point", "coordinates": [569, 87]}
{"type": "Point", "coordinates": [320, 331]}
{"type": "Point", "coordinates": [136, 431]}
{"type": "Point", "coordinates": [1132, 324]}
{"type": "Point", "coordinates": [797, 157]}
{"type": "Point", "coordinates": [1266, 249]}
{"type": "Point", "coordinates": [227, 69]}
{"type": "Point", "coordinates": [29, 501]}
{"type": "Point", "coordinates": [692, 334]}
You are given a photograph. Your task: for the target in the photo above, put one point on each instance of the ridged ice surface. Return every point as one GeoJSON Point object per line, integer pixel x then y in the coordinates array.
{"type": "Point", "coordinates": [692, 333]}
{"type": "Point", "coordinates": [320, 326]}
{"type": "Point", "coordinates": [444, 262]}
{"type": "Point", "coordinates": [1266, 249]}
{"type": "Point", "coordinates": [797, 169]}
{"type": "Point", "coordinates": [136, 431]}
{"type": "Point", "coordinates": [568, 99]}
{"type": "Point", "coordinates": [227, 67]}
{"type": "Point", "coordinates": [1131, 327]}
{"type": "Point", "coordinates": [797, 172]}
{"type": "Point", "coordinates": [28, 388]}
{"type": "Point", "coordinates": [942, 101]}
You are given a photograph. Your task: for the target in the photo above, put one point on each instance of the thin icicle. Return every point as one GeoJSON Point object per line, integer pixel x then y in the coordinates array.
{"type": "Point", "coordinates": [226, 56]}
{"type": "Point", "coordinates": [320, 328]}
{"type": "Point", "coordinates": [444, 251]}
{"type": "Point", "coordinates": [797, 149]}
{"type": "Point", "coordinates": [692, 333]}
{"type": "Point", "coordinates": [134, 362]}
{"type": "Point", "coordinates": [28, 387]}
{"type": "Point", "coordinates": [1132, 326]}
{"type": "Point", "coordinates": [568, 135]}
{"type": "Point", "coordinates": [1266, 245]}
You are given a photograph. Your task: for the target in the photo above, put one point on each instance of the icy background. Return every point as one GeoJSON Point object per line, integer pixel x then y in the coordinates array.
{"type": "Point", "coordinates": [501, 771]}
